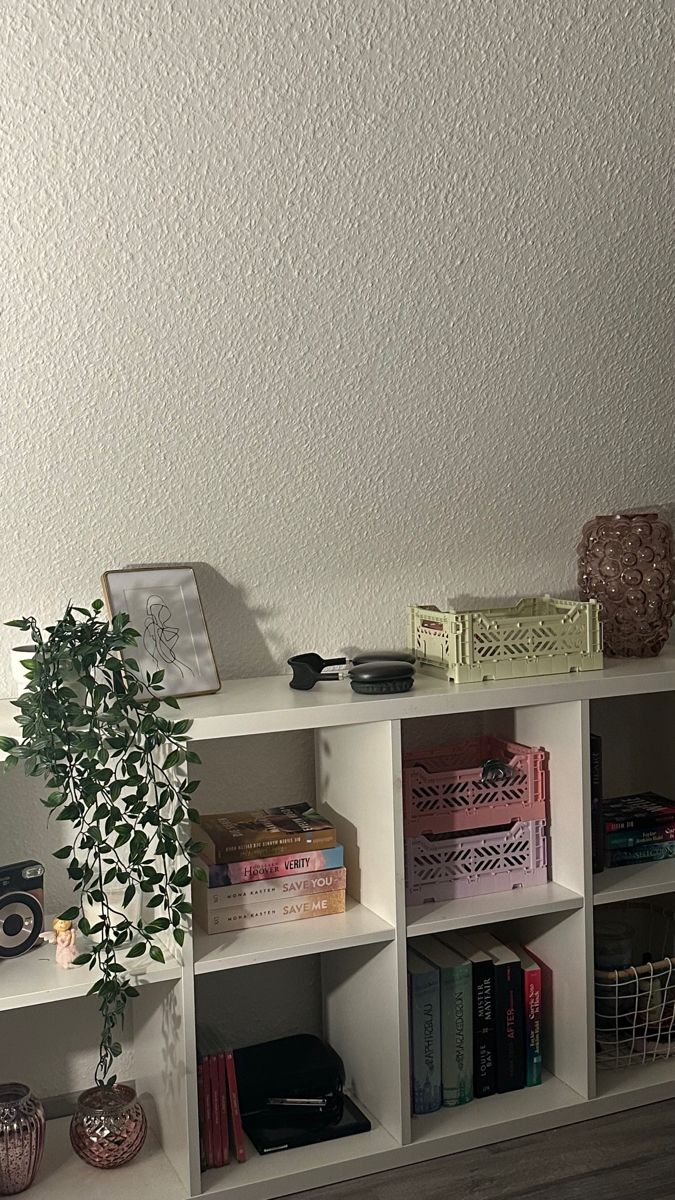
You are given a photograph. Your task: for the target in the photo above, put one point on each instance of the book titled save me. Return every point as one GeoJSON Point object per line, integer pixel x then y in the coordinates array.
{"type": "Point", "coordinates": [246, 916]}
{"type": "Point", "coordinates": [231, 837]}
{"type": "Point", "coordinates": [206, 899]}
{"type": "Point", "coordinates": [251, 870]}
{"type": "Point", "coordinates": [483, 1011]}
{"type": "Point", "coordinates": [456, 1019]}
{"type": "Point", "coordinates": [425, 1033]}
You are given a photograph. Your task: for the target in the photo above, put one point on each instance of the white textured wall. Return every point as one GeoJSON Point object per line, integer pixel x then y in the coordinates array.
{"type": "Point", "coordinates": [354, 303]}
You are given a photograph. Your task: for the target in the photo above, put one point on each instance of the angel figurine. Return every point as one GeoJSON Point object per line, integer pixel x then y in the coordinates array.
{"type": "Point", "coordinates": [64, 938]}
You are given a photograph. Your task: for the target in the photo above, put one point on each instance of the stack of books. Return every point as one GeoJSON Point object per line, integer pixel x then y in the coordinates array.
{"type": "Point", "coordinates": [220, 1126]}
{"type": "Point", "coordinates": [267, 866]}
{"type": "Point", "coordinates": [475, 1019]}
{"type": "Point", "coordinates": [638, 828]}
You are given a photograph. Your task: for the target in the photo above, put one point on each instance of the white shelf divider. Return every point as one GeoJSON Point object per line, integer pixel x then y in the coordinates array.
{"type": "Point", "coordinates": [485, 910]}
{"type": "Point", "coordinates": [636, 882]}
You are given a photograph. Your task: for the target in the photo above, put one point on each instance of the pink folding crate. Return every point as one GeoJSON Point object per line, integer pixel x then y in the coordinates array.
{"type": "Point", "coordinates": [446, 867]}
{"type": "Point", "coordinates": [444, 792]}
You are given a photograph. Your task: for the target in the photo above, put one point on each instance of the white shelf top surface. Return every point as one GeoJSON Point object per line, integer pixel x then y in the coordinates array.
{"type": "Point", "coordinates": [63, 1176]}
{"type": "Point", "coordinates": [268, 705]}
{"type": "Point", "coordinates": [491, 1111]}
{"type": "Point", "coordinates": [34, 978]}
{"type": "Point", "coordinates": [484, 910]}
{"type": "Point", "coordinates": [357, 926]}
{"type": "Point", "coordinates": [634, 881]}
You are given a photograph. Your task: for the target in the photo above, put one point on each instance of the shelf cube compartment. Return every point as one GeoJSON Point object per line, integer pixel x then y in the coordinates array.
{"type": "Point", "coordinates": [445, 789]}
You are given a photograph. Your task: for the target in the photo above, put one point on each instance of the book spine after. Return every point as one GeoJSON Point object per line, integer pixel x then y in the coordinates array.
{"type": "Point", "coordinates": [456, 1035]}
{"type": "Point", "coordinates": [628, 839]}
{"type": "Point", "coordinates": [274, 867]}
{"type": "Point", "coordinates": [510, 1027]}
{"type": "Point", "coordinates": [532, 1007]}
{"type": "Point", "coordinates": [233, 1095]}
{"type": "Point", "coordinates": [597, 822]}
{"type": "Point", "coordinates": [652, 853]}
{"type": "Point", "coordinates": [484, 1059]}
{"type": "Point", "coordinates": [426, 1041]}
{"type": "Point", "coordinates": [216, 1111]}
{"type": "Point", "coordinates": [208, 1112]}
{"type": "Point", "coordinates": [224, 920]}
{"type": "Point", "coordinates": [265, 890]}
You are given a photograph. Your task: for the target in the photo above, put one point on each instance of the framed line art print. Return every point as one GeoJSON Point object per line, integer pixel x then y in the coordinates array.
{"type": "Point", "coordinates": [163, 604]}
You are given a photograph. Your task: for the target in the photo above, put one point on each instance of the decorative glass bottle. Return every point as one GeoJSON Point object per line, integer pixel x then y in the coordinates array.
{"type": "Point", "coordinates": [22, 1137]}
{"type": "Point", "coordinates": [626, 563]}
{"type": "Point", "coordinates": [109, 1126]}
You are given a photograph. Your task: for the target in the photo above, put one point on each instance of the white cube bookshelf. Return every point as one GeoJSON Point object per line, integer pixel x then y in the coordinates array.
{"type": "Point", "coordinates": [345, 976]}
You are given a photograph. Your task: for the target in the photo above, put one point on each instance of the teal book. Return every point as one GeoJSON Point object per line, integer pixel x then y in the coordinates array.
{"type": "Point", "coordinates": [425, 1029]}
{"type": "Point", "coordinates": [653, 852]}
{"type": "Point", "coordinates": [456, 1019]}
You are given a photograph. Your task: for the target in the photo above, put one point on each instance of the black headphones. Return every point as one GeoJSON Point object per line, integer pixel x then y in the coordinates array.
{"type": "Point", "coordinates": [372, 672]}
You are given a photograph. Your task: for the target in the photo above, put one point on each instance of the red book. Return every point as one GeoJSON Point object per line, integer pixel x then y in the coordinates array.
{"type": "Point", "coordinates": [216, 1110]}
{"type": "Point", "coordinates": [222, 1093]}
{"type": "Point", "coordinates": [202, 1119]}
{"type": "Point", "coordinates": [208, 1113]}
{"type": "Point", "coordinates": [237, 1128]}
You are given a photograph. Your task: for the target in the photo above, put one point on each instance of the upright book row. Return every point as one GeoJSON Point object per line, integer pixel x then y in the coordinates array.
{"type": "Point", "coordinates": [475, 1019]}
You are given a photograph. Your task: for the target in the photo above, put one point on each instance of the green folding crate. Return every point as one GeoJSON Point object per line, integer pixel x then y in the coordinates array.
{"type": "Point", "coordinates": [538, 636]}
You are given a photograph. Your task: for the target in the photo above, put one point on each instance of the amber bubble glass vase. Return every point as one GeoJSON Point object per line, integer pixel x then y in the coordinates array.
{"type": "Point", "coordinates": [109, 1126]}
{"type": "Point", "coordinates": [626, 563]}
{"type": "Point", "coordinates": [22, 1137]}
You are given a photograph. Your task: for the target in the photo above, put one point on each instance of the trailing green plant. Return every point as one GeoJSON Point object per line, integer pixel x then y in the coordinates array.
{"type": "Point", "coordinates": [97, 732]}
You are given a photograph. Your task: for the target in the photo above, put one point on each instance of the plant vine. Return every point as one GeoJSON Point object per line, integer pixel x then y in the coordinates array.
{"type": "Point", "coordinates": [95, 729]}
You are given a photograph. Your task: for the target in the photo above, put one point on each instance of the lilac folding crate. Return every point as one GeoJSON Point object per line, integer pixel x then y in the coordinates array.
{"type": "Point", "coordinates": [444, 792]}
{"type": "Point", "coordinates": [450, 866]}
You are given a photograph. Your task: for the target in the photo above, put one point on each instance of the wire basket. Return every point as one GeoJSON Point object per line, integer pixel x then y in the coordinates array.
{"type": "Point", "coordinates": [635, 1006]}
{"type": "Point", "coordinates": [446, 789]}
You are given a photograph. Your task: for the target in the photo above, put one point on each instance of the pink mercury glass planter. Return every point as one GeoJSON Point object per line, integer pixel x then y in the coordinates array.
{"type": "Point", "coordinates": [109, 1126]}
{"type": "Point", "coordinates": [626, 563]}
{"type": "Point", "coordinates": [22, 1137]}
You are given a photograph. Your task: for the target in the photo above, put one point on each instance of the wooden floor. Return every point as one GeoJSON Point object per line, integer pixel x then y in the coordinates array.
{"type": "Point", "coordinates": [629, 1156]}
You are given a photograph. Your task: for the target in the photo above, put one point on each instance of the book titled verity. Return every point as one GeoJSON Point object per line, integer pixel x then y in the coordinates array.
{"type": "Point", "coordinates": [456, 1019]}
{"type": "Point", "coordinates": [250, 870]}
{"type": "Point", "coordinates": [425, 1033]}
{"type": "Point", "coordinates": [246, 916]}
{"type": "Point", "coordinates": [231, 837]}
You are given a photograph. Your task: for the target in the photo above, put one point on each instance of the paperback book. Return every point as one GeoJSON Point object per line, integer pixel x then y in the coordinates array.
{"type": "Point", "coordinates": [233, 837]}
{"type": "Point", "coordinates": [246, 916]}
{"type": "Point", "coordinates": [425, 1033]}
{"type": "Point", "coordinates": [628, 839]}
{"type": "Point", "coordinates": [532, 1015]}
{"type": "Point", "coordinates": [221, 875]}
{"type": "Point", "coordinates": [597, 816]}
{"type": "Point", "coordinates": [456, 1019]}
{"type": "Point", "coordinates": [207, 899]}
{"type": "Point", "coordinates": [483, 1011]}
{"type": "Point", "coordinates": [644, 810]}
{"type": "Point", "coordinates": [509, 1014]}
{"type": "Point", "coordinates": [640, 854]}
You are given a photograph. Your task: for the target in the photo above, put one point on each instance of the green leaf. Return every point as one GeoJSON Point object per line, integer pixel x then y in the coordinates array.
{"type": "Point", "coordinates": [64, 852]}
{"type": "Point", "coordinates": [97, 605]}
{"type": "Point", "coordinates": [82, 960]}
{"type": "Point", "coordinates": [8, 744]}
{"type": "Point", "coordinates": [200, 874]}
{"type": "Point", "coordinates": [179, 936]}
{"type": "Point", "coordinates": [170, 701]}
{"type": "Point", "coordinates": [172, 760]}
{"type": "Point", "coordinates": [156, 953]}
{"type": "Point", "coordinates": [20, 623]}
{"type": "Point", "coordinates": [71, 914]}
{"type": "Point", "coordinates": [191, 756]}
{"type": "Point", "coordinates": [155, 901]}
{"type": "Point", "coordinates": [136, 950]}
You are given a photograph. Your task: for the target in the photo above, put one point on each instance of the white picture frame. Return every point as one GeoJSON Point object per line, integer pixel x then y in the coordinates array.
{"type": "Point", "coordinates": [163, 604]}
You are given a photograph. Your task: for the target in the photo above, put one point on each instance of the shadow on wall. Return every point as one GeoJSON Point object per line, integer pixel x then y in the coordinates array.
{"type": "Point", "coordinates": [239, 647]}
